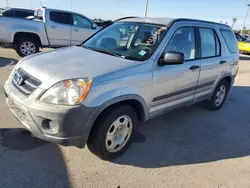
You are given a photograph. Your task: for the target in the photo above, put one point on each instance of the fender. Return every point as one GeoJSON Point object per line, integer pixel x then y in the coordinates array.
{"type": "Point", "coordinates": [111, 102]}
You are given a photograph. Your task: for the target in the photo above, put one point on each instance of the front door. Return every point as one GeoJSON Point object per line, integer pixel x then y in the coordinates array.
{"type": "Point", "coordinates": [81, 30]}
{"type": "Point", "coordinates": [174, 85]}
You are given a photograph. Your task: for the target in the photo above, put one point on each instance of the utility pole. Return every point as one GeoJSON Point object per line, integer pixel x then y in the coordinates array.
{"type": "Point", "coordinates": [7, 3]}
{"type": "Point", "coordinates": [245, 19]}
{"type": "Point", "coordinates": [70, 3]}
{"type": "Point", "coordinates": [146, 8]}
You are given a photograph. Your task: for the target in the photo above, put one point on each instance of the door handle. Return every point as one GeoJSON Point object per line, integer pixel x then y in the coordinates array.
{"type": "Point", "coordinates": [76, 30]}
{"type": "Point", "coordinates": [222, 62]}
{"type": "Point", "coordinates": [194, 67]}
{"type": "Point", "coordinates": [53, 27]}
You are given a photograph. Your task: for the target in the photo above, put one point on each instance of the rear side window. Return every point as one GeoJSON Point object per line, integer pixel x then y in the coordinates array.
{"type": "Point", "coordinates": [61, 17]}
{"type": "Point", "coordinates": [9, 13]}
{"type": "Point", "coordinates": [230, 40]}
{"type": "Point", "coordinates": [210, 45]}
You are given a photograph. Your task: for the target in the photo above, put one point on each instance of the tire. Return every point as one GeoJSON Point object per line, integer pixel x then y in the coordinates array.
{"type": "Point", "coordinates": [213, 103]}
{"type": "Point", "coordinates": [98, 142]}
{"type": "Point", "coordinates": [34, 43]}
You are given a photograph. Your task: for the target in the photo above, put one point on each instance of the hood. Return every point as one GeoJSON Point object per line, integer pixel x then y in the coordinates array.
{"type": "Point", "coordinates": [71, 62]}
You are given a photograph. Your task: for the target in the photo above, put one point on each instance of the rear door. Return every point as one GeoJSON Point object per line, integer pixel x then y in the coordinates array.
{"type": "Point", "coordinates": [82, 28]}
{"type": "Point", "coordinates": [212, 62]}
{"type": "Point", "coordinates": [59, 28]}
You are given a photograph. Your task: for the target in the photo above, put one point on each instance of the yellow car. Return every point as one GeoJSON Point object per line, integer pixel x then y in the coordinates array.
{"type": "Point", "coordinates": [243, 43]}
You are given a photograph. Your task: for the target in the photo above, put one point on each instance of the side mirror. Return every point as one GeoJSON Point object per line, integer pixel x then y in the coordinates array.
{"type": "Point", "coordinates": [93, 26]}
{"type": "Point", "coordinates": [172, 58]}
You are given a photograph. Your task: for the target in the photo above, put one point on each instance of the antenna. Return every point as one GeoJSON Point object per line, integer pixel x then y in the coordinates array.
{"type": "Point", "coordinates": [41, 4]}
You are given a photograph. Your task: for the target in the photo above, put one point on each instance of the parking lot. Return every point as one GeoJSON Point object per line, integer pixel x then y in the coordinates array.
{"type": "Point", "coordinates": [190, 147]}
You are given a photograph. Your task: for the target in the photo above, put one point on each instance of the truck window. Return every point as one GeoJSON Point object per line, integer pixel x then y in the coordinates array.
{"type": "Point", "coordinates": [61, 17]}
{"type": "Point", "coordinates": [210, 45]}
{"type": "Point", "coordinates": [9, 13]}
{"type": "Point", "coordinates": [230, 40]}
{"type": "Point", "coordinates": [80, 21]}
{"type": "Point", "coordinates": [23, 14]}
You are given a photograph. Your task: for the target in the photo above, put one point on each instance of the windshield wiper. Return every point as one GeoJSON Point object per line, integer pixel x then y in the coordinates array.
{"type": "Point", "coordinates": [105, 52]}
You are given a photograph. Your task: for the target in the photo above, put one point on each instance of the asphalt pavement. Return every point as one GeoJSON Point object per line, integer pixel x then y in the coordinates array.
{"type": "Point", "coordinates": [190, 147]}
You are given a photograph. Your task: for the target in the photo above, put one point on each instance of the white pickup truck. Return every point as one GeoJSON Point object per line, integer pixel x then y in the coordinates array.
{"type": "Point", "coordinates": [49, 28]}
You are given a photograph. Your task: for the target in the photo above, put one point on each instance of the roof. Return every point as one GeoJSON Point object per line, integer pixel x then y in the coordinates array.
{"type": "Point", "coordinates": [160, 21]}
{"type": "Point", "coordinates": [21, 9]}
{"type": "Point", "coordinates": [164, 21]}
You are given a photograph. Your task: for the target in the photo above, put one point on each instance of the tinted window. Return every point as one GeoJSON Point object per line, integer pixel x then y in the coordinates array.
{"type": "Point", "coordinates": [9, 13]}
{"type": "Point", "coordinates": [80, 21]}
{"type": "Point", "coordinates": [210, 46]}
{"type": "Point", "coordinates": [23, 14]}
{"type": "Point", "coordinates": [230, 41]}
{"type": "Point", "coordinates": [61, 17]}
{"type": "Point", "coordinates": [183, 41]}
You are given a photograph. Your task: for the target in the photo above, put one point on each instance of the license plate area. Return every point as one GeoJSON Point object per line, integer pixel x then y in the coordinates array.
{"type": "Point", "coordinates": [18, 112]}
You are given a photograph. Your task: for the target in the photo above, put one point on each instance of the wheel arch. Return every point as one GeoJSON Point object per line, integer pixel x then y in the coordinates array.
{"type": "Point", "coordinates": [20, 35]}
{"type": "Point", "coordinates": [135, 101]}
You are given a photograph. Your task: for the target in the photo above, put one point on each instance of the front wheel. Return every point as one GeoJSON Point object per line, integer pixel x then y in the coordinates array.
{"type": "Point", "coordinates": [219, 96]}
{"type": "Point", "coordinates": [25, 47]}
{"type": "Point", "coordinates": [112, 133]}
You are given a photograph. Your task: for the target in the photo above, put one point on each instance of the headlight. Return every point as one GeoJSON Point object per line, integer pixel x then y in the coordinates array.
{"type": "Point", "coordinates": [68, 92]}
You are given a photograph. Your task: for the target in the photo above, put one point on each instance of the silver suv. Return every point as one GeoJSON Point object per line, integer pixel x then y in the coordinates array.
{"type": "Point", "coordinates": [129, 72]}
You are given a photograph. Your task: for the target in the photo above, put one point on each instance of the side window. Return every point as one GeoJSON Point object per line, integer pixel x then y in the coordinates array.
{"type": "Point", "coordinates": [61, 17]}
{"type": "Point", "coordinates": [183, 41]}
{"type": "Point", "coordinates": [230, 41]}
{"type": "Point", "coordinates": [80, 21]}
{"type": "Point", "coordinates": [239, 39]}
{"type": "Point", "coordinates": [9, 13]}
{"type": "Point", "coordinates": [210, 45]}
{"type": "Point", "coordinates": [23, 14]}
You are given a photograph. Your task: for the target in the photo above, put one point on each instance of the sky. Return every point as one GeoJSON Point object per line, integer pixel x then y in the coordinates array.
{"type": "Point", "coordinates": [212, 10]}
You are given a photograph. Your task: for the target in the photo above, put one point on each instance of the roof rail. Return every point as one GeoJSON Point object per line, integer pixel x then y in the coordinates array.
{"type": "Point", "coordinates": [128, 17]}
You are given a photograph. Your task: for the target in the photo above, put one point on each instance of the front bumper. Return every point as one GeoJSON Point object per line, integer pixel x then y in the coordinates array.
{"type": "Point", "coordinates": [64, 125]}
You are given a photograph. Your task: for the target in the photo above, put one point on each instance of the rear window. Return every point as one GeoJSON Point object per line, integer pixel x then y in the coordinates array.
{"type": "Point", "coordinates": [230, 40]}
{"type": "Point", "coordinates": [61, 17]}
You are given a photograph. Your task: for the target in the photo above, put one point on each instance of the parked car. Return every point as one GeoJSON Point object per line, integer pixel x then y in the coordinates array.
{"type": "Point", "coordinates": [243, 43]}
{"type": "Point", "coordinates": [100, 92]}
{"type": "Point", "coordinates": [50, 28]}
{"type": "Point", "coordinates": [17, 13]}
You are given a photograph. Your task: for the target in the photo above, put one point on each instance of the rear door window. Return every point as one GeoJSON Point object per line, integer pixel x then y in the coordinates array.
{"type": "Point", "coordinates": [210, 45]}
{"type": "Point", "coordinates": [230, 40]}
{"type": "Point", "coordinates": [61, 17]}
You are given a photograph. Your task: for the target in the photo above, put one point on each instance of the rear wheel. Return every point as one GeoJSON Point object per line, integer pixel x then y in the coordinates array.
{"type": "Point", "coordinates": [26, 46]}
{"type": "Point", "coordinates": [219, 96]}
{"type": "Point", "coordinates": [113, 132]}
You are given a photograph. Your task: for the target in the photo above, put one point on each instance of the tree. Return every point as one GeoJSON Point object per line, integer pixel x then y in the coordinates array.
{"type": "Point", "coordinates": [234, 20]}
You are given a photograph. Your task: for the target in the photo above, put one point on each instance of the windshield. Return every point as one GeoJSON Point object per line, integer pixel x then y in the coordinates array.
{"type": "Point", "coordinates": [128, 40]}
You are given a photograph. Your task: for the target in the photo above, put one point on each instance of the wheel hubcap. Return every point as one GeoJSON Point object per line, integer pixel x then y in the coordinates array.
{"type": "Point", "coordinates": [119, 134]}
{"type": "Point", "coordinates": [220, 95]}
{"type": "Point", "coordinates": [28, 48]}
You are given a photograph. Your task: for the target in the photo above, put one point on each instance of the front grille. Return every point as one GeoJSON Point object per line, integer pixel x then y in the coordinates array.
{"type": "Point", "coordinates": [24, 82]}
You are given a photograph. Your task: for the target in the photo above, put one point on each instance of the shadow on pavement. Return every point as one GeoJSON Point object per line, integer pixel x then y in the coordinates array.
{"type": "Point", "coordinates": [7, 61]}
{"type": "Point", "coordinates": [193, 135]}
{"type": "Point", "coordinates": [23, 165]}
{"type": "Point", "coordinates": [244, 58]}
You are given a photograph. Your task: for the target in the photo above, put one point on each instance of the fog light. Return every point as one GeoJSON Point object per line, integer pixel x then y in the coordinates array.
{"type": "Point", "coordinates": [53, 127]}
